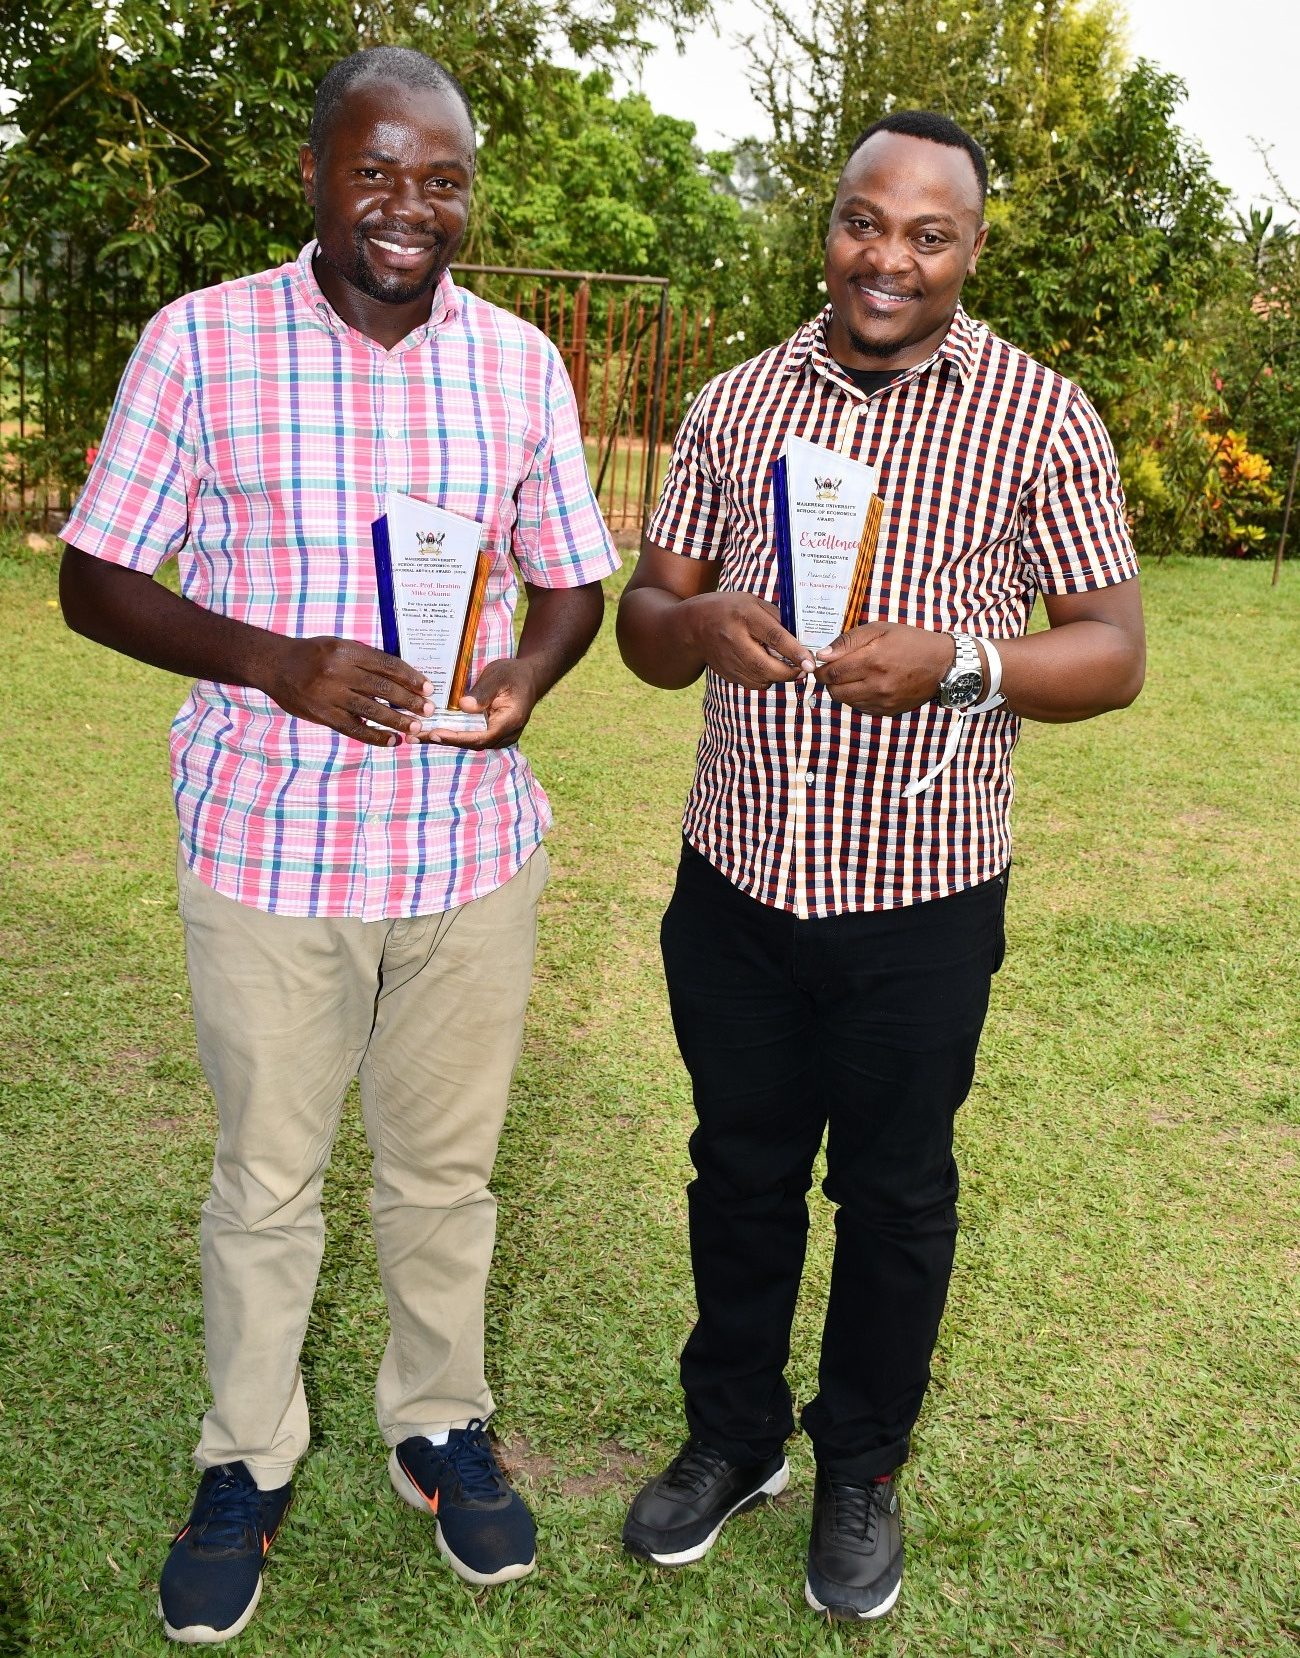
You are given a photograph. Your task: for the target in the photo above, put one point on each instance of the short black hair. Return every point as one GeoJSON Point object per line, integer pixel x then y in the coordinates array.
{"type": "Point", "coordinates": [924, 123]}
{"type": "Point", "coordinates": [402, 64]}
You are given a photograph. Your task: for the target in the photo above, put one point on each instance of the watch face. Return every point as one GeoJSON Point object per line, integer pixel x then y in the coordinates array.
{"type": "Point", "coordinates": [961, 690]}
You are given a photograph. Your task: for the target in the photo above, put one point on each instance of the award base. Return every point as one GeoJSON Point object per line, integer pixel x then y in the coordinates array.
{"type": "Point", "coordinates": [455, 719]}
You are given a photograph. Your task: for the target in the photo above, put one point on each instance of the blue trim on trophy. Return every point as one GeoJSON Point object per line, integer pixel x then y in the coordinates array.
{"type": "Point", "coordinates": [384, 582]}
{"type": "Point", "coordinates": [784, 560]}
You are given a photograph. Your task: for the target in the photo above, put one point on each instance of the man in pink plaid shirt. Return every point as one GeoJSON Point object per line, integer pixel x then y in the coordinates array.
{"type": "Point", "coordinates": [359, 889]}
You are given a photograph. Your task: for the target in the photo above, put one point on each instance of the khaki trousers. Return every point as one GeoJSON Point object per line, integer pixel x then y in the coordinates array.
{"type": "Point", "coordinates": [428, 1013]}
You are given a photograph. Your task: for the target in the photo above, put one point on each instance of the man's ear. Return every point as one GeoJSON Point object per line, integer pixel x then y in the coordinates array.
{"type": "Point", "coordinates": [307, 173]}
{"type": "Point", "coordinates": [981, 237]}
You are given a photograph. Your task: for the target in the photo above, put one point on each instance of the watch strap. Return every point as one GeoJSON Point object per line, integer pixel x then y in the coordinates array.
{"type": "Point", "coordinates": [966, 665]}
{"type": "Point", "coordinates": [992, 697]}
{"type": "Point", "coordinates": [993, 680]}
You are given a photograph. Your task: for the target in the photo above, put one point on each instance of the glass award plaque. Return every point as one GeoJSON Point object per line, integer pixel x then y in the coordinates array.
{"type": "Point", "coordinates": [431, 576]}
{"type": "Point", "coordinates": [827, 524]}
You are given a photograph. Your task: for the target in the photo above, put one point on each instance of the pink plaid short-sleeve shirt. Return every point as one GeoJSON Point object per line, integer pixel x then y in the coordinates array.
{"type": "Point", "coordinates": [253, 438]}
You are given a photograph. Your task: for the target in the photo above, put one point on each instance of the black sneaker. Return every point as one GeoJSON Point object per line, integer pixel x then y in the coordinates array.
{"type": "Point", "coordinates": [855, 1554]}
{"type": "Point", "coordinates": [212, 1578]}
{"type": "Point", "coordinates": [484, 1528]}
{"type": "Point", "coordinates": [677, 1517]}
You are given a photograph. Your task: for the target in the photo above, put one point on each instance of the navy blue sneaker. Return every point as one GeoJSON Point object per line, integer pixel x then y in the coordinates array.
{"type": "Point", "coordinates": [484, 1529]}
{"type": "Point", "coordinates": [212, 1578]}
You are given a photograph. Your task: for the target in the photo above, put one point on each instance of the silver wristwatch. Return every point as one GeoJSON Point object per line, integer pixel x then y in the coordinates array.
{"type": "Point", "coordinates": [963, 684]}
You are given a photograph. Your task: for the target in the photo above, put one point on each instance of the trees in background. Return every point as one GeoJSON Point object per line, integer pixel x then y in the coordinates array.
{"type": "Point", "coordinates": [1021, 75]}
{"type": "Point", "coordinates": [602, 183]}
{"type": "Point", "coordinates": [1111, 254]}
{"type": "Point", "coordinates": [153, 149]}
{"type": "Point", "coordinates": [167, 131]}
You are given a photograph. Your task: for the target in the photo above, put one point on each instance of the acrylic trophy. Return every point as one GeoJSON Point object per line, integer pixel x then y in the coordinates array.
{"type": "Point", "coordinates": [431, 575]}
{"type": "Point", "coordinates": [827, 524]}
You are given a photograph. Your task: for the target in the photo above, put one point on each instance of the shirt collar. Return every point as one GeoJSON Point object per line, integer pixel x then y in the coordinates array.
{"type": "Point", "coordinates": [447, 301]}
{"type": "Point", "coordinates": [960, 346]}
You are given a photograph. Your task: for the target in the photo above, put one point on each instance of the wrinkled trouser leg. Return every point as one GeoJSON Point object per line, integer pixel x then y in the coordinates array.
{"type": "Point", "coordinates": [429, 1012]}
{"type": "Point", "coordinates": [868, 1024]}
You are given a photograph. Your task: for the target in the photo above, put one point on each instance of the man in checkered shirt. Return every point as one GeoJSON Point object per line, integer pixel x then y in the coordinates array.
{"type": "Point", "coordinates": [839, 905]}
{"type": "Point", "coordinates": [359, 890]}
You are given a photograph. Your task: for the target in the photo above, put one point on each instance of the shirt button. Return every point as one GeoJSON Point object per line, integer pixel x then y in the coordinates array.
{"type": "Point", "coordinates": [393, 431]}
{"type": "Point", "coordinates": [810, 777]}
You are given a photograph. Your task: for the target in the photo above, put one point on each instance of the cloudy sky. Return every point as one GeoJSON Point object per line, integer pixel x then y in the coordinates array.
{"type": "Point", "coordinates": [1240, 62]}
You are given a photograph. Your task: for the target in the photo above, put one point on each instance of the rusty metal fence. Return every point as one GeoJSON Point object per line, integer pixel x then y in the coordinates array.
{"type": "Point", "coordinates": [635, 361]}
{"type": "Point", "coordinates": [65, 335]}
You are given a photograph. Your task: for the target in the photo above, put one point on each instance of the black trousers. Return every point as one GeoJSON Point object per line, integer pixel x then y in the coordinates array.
{"type": "Point", "coordinates": [863, 1028]}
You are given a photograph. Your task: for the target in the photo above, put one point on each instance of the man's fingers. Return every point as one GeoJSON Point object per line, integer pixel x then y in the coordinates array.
{"type": "Point", "coordinates": [775, 655]}
{"type": "Point", "coordinates": [779, 643]}
{"type": "Point", "coordinates": [364, 730]}
{"type": "Point", "coordinates": [837, 647]}
{"type": "Point", "coordinates": [504, 709]}
{"type": "Point", "coordinates": [852, 639]}
{"type": "Point", "coordinates": [378, 713]}
{"type": "Point", "coordinates": [404, 689]}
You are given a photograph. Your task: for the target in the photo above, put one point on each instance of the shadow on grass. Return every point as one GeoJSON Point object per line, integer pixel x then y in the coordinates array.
{"type": "Point", "coordinates": [15, 1622]}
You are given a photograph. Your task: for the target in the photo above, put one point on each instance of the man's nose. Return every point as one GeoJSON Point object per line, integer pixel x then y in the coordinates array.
{"type": "Point", "coordinates": [891, 254]}
{"type": "Point", "coordinates": [405, 200]}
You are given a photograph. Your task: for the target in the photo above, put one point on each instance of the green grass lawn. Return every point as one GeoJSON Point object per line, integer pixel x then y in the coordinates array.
{"type": "Point", "coordinates": [1109, 1460]}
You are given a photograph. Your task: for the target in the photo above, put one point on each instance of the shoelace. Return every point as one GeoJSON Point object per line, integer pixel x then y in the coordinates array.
{"type": "Point", "coordinates": [469, 1456]}
{"type": "Point", "coordinates": [232, 1510]}
{"type": "Point", "coordinates": [857, 1509]}
{"type": "Point", "coordinates": [693, 1467]}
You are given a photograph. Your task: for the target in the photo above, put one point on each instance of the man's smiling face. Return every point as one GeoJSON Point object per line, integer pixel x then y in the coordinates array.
{"type": "Point", "coordinates": [390, 191]}
{"type": "Point", "coordinates": [906, 230]}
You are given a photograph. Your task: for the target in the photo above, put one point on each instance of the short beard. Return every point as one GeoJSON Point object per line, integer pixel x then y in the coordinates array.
{"type": "Point", "coordinates": [387, 290]}
{"type": "Point", "coordinates": [870, 348]}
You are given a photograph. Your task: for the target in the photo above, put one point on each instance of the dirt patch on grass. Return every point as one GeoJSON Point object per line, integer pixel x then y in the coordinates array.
{"type": "Point", "coordinates": [1201, 817]}
{"type": "Point", "coordinates": [620, 1469]}
{"type": "Point", "coordinates": [133, 1056]}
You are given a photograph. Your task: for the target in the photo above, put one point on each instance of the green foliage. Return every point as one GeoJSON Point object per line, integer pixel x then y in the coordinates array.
{"type": "Point", "coordinates": [169, 130]}
{"type": "Point", "coordinates": [601, 183]}
{"type": "Point", "coordinates": [1110, 255]}
{"type": "Point", "coordinates": [1211, 427]}
{"type": "Point", "coordinates": [153, 149]}
{"type": "Point", "coordinates": [154, 145]}
{"type": "Point", "coordinates": [1258, 353]}
{"type": "Point", "coordinates": [1109, 249]}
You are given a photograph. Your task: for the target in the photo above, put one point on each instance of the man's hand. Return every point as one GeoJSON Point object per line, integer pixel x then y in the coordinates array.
{"type": "Point", "coordinates": [559, 624]}
{"type": "Point", "coordinates": [673, 623]}
{"type": "Point", "coordinates": [741, 638]}
{"type": "Point", "coordinates": [506, 692]}
{"type": "Point", "coordinates": [885, 667]}
{"type": "Point", "coordinates": [348, 686]}
{"type": "Point", "coordinates": [338, 683]}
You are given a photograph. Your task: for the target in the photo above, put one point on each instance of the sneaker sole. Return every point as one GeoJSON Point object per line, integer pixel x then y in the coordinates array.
{"type": "Point", "coordinates": [850, 1614]}
{"type": "Point", "coordinates": [773, 1486]}
{"type": "Point", "coordinates": [415, 1498]}
{"type": "Point", "coordinates": [203, 1634]}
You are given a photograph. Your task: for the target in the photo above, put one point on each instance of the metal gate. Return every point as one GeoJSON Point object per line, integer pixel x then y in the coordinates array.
{"type": "Point", "coordinates": [634, 360]}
